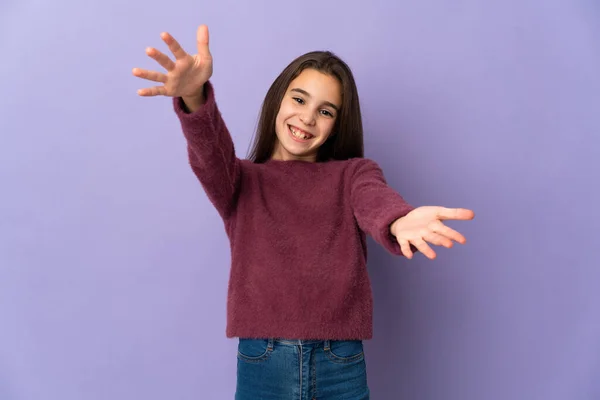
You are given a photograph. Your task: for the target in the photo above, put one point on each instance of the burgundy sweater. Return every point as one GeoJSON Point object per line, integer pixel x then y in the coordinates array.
{"type": "Point", "coordinates": [296, 231]}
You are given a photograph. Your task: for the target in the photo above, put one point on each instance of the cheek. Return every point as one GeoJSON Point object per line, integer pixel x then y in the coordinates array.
{"type": "Point", "coordinates": [280, 120]}
{"type": "Point", "coordinates": [327, 127]}
{"type": "Point", "coordinates": [282, 116]}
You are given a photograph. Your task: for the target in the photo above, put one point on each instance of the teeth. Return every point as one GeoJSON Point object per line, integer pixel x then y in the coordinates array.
{"type": "Point", "coordinates": [298, 134]}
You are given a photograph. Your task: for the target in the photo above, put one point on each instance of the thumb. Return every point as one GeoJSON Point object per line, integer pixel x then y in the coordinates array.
{"type": "Point", "coordinates": [202, 40]}
{"type": "Point", "coordinates": [455, 213]}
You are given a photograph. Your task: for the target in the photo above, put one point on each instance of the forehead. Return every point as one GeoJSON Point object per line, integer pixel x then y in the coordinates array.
{"type": "Point", "coordinates": [320, 86]}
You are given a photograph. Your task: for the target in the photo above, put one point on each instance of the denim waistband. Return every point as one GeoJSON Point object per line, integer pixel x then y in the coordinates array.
{"type": "Point", "coordinates": [297, 342]}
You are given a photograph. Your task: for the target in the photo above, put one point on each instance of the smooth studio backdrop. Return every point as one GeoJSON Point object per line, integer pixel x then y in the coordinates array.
{"type": "Point", "coordinates": [114, 265]}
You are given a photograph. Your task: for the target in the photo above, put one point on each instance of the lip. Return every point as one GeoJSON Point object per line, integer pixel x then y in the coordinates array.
{"type": "Point", "coordinates": [296, 138]}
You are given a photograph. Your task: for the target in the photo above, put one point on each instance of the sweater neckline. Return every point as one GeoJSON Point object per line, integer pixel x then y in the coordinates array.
{"type": "Point", "coordinates": [292, 162]}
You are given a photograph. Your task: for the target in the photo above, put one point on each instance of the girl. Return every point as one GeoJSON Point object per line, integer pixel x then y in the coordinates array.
{"type": "Point", "coordinates": [296, 214]}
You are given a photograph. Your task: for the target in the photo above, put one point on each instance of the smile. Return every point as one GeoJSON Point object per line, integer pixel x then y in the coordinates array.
{"type": "Point", "coordinates": [299, 135]}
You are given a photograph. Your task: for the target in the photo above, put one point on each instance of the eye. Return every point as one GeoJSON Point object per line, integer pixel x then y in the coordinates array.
{"type": "Point", "coordinates": [326, 113]}
{"type": "Point", "coordinates": [298, 100]}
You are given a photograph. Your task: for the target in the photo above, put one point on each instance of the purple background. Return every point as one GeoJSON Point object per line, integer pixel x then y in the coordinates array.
{"type": "Point", "coordinates": [114, 265]}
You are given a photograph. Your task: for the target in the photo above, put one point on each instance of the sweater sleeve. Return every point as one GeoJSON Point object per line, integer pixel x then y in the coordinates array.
{"type": "Point", "coordinates": [376, 205]}
{"type": "Point", "coordinates": [211, 151]}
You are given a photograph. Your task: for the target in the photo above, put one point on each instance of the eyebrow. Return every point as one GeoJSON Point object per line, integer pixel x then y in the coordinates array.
{"type": "Point", "coordinates": [304, 92]}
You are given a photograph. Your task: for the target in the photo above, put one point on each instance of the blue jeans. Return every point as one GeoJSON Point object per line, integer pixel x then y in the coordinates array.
{"type": "Point", "coordinates": [276, 369]}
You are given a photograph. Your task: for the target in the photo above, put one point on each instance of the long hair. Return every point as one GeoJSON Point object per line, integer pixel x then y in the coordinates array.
{"type": "Point", "coordinates": [346, 139]}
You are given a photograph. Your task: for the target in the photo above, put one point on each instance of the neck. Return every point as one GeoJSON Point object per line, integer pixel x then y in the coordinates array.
{"type": "Point", "coordinates": [281, 154]}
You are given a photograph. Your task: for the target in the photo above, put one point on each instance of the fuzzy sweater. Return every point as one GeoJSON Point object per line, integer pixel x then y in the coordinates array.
{"type": "Point", "coordinates": [297, 234]}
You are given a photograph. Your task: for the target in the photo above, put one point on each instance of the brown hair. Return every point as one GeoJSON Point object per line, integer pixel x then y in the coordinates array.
{"type": "Point", "coordinates": [346, 140]}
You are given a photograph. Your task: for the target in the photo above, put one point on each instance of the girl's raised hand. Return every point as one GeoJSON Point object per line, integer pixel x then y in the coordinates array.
{"type": "Point", "coordinates": [424, 224]}
{"type": "Point", "coordinates": [186, 75]}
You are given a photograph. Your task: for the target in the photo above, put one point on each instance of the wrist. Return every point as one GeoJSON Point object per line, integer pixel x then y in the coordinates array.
{"type": "Point", "coordinates": [393, 226]}
{"type": "Point", "coordinates": [194, 102]}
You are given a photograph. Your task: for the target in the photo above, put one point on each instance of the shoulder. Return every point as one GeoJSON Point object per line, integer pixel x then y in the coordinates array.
{"type": "Point", "coordinates": [363, 171]}
{"type": "Point", "coordinates": [360, 166]}
{"type": "Point", "coordinates": [351, 163]}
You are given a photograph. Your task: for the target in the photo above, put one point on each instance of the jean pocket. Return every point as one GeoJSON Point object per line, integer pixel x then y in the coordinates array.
{"type": "Point", "coordinates": [344, 351]}
{"type": "Point", "coordinates": [254, 350]}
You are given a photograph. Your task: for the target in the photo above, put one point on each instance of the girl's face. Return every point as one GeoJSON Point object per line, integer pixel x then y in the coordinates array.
{"type": "Point", "coordinates": [307, 115]}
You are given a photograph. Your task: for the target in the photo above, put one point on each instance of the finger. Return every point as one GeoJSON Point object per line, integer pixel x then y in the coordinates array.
{"type": "Point", "coordinates": [174, 46]}
{"type": "Point", "coordinates": [405, 247]}
{"type": "Point", "coordinates": [153, 91]}
{"type": "Point", "coordinates": [202, 40]}
{"type": "Point", "coordinates": [424, 248]}
{"type": "Point", "coordinates": [438, 240]}
{"type": "Point", "coordinates": [455, 213]}
{"type": "Point", "coordinates": [448, 232]}
{"type": "Point", "coordinates": [150, 75]}
{"type": "Point", "coordinates": [161, 58]}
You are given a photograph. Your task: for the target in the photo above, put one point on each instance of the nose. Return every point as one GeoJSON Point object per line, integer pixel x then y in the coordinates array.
{"type": "Point", "coordinates": [307, 119]}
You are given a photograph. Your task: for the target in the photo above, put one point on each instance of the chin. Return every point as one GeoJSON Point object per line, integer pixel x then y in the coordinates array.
{"type": "Point", "coordinates": [299, 153]}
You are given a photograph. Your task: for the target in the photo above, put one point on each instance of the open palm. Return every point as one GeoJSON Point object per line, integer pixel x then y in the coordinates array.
{"type": "Point", "coordinates": [184, 77]}
{"type": "Point", "coordinates": [424, 224]}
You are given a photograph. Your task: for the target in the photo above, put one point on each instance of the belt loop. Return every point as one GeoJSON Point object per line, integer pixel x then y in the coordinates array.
{"type": "Point", "coordinates": [270, 344]}
{"type": "Point", "coordinates": [326, 345]}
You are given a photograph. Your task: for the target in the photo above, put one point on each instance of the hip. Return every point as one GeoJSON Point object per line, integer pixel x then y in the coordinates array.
{"type": "Point", "coordinates": [301, 370]}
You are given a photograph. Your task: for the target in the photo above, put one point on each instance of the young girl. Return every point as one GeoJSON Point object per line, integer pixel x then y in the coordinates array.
{"type": "Point", "coordinates": [296, 214]}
